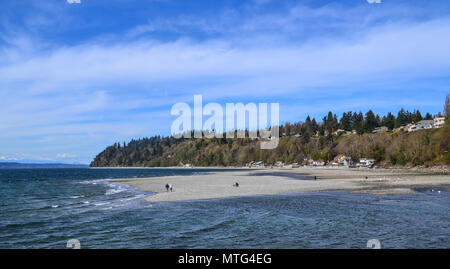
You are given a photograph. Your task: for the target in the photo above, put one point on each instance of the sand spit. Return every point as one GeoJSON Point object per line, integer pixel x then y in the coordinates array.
{"type": "Point", "coordinates": [275, 181]}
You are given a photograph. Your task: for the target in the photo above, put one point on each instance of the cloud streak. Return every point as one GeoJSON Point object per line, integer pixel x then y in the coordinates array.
{"type": "Point", "coordinates": [377, 54]}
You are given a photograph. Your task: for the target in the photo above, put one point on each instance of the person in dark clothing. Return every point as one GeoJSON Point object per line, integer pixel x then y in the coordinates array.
{"type": "Point", "coordinates": [167, 187]}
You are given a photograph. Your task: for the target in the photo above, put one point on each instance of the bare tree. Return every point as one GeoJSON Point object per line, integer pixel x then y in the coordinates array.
{"type": "Point", "coordinates": [447, 106]}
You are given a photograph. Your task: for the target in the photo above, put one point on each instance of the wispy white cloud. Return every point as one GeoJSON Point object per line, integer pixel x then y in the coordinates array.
{"type": "Point", "coordinates": [378, 52]}
{"type": "Point", "coordinates": [5, 158]}
{"type": "Point", "coordinates": [74, 1]}
{"type": "Point", "coordinates": [66, 155]}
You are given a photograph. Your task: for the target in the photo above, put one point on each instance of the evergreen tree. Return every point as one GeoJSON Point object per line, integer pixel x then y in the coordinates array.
{"type": "Point", "coordinates": [417, 116]}
{"type": "Point", "coordinates": [402, 118]}
{"type": "Point", "coordinates": [345, 122]}
{"type": "Point", "coordinates": [357, 122]}
{"type": "Point", "coordinates": [314, 126]}
{"type": "Point", "coordinates": [329, 122]}
{"type": "Point", "coordinates": [370, 122]}
{"type": "Point", "coordinates": [335, 123]}
{"type": "Point", "coordinates": [308, 126]}
{"type": "Point", "coordinates": [389, 121]}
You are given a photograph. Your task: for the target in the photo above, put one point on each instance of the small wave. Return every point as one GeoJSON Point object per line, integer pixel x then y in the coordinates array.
{"type": "Point", "coordinates": [94, 181]}
{"type": "Point", "coordinates": [76, 196]}
{"type": "Point", "coordinates": [200, 173]}
{"type": "Point", "coordinates": [432, 189]}
{"type": "Point", "coordinates": [100, 204]}
{"type": "Point", "coordinates": [132, 198]}
{"type": "Point", "coordinates": [211, 227]}
{"type": "Point", "coordinates": [114, 191]}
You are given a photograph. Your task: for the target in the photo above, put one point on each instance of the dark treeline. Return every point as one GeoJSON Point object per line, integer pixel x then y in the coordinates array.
{"type": "Point", "coordinates": [299, 141]}
{"type": "Point", "coordinates": [359, 122]}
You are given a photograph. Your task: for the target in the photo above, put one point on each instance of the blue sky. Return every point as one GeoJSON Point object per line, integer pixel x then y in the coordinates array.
{"type": "Point", "coordinates": [75, 78]}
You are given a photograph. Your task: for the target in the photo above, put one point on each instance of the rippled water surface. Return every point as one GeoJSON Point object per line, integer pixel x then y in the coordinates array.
{"type": "Point", "coordinates": [43, 208]}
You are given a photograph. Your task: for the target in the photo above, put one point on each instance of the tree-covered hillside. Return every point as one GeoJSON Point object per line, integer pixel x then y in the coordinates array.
{"type": "Point", "coordinates": [302, 140]}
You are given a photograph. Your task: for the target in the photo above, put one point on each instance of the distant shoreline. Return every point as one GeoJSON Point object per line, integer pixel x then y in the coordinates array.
{"type": "Point", "coordinates": [174, 167]}
{"type": "Point", "coordinates": [438, 168]}
{"type": "Point", "coordinates": [220, 184]}
{"type": "Point", "coordinates": [19, 165]}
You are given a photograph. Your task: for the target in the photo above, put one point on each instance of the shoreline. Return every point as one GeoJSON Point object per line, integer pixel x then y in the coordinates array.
{"type": "Point", "coordinates": [433, 170]}
{"type": "Point", "coordinates": [218, 184]}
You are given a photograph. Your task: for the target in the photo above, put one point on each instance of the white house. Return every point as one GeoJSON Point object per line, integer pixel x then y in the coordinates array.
{"type": "Point", "coordinates": [256, 164]}
{"type": "Point", "coordinates": [421, 125]}
{"type": "Point", "coordinates": [318, 163]}
{"type": "Point", "coordinates": [279, 164]}
{"type": "Point", "coordinates": [439, 122]}
{"type": "Point", "coordinates": [366, 162]}
{"type": "Point", "coordinates": [295, 165]}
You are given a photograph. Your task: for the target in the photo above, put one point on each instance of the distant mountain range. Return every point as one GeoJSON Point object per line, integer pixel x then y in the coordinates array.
{"type": "Point", "coordinates": [16, 165]}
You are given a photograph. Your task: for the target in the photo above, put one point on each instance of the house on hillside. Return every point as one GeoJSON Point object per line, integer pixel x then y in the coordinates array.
{"type": "Point", "coordinates": [381, 129]}
{"type": "Point", "coordinates": [279, 164]}
{"type": "Point", "coordinates": [318, 163]}
{"type": "Point", "coordinates": [366, 162]}
{"type": "Point", "coordinates": [439, 122]}
{"type": "Point", "coordinates": [339, 158]}
{"type": "Point", "coordinates": [259, 164]}
{"type": "Point", "coordinates": [307, 161]}
{"type": "Point", "coordinates": [421, 125]}
{"type": "Point", "coordinates": [399, 129]}
{"type": "Point", "coordinates": [342, 160]}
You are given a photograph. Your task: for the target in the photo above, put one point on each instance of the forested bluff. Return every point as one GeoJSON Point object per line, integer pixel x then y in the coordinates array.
{"type": "Point", "coordinates": [352, 135]}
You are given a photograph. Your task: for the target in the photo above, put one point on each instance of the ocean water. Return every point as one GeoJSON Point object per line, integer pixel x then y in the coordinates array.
{"type": "Point", "coordinates": [44, 208]}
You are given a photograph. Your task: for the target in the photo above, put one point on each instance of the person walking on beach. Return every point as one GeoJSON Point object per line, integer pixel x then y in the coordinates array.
{"type": "Point", "coordinates": [167, 187]}
{"type": "Point", "coordinates": [171, 187]}
{"type": "Point", "coordinates": [236, 184]}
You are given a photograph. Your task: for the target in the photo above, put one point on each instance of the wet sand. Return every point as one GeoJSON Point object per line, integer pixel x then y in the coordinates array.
{"type": "Point", "coordinates": [280, 181]}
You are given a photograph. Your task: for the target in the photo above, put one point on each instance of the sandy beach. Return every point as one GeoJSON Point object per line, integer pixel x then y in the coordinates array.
{"type": "Point", "coordinates": [286, 180]}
